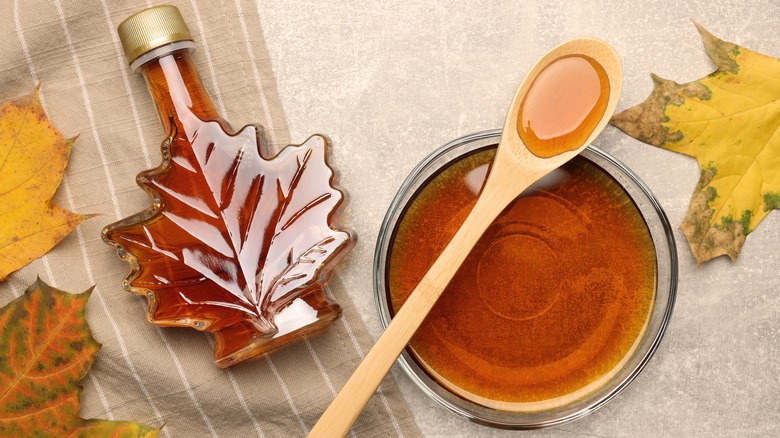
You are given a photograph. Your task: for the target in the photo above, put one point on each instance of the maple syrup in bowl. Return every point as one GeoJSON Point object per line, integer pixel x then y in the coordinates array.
{"type": "Point", "coordinates": [557, 308]}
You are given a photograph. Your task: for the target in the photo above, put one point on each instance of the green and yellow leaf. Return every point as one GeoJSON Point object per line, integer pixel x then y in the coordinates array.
{"type": "Point", "coordinates": [730, 122]}
{"type": "Point", "coordinates": [33, 156]}
{"type": "Point", "coordinates": [46, 348]}
{"type": "Point", "coordinates": [114, 429]}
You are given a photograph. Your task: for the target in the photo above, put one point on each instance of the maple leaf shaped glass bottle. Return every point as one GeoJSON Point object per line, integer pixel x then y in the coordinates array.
{"type": "Point", "coordinates": [234, 243]}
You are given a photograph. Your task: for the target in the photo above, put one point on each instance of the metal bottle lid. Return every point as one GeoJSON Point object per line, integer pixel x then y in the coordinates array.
{"type": "Point", "coordinates": [152, 28]}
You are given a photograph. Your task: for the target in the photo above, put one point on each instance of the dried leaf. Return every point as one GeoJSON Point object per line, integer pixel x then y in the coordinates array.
{"type": "Point", "coordinates": [33, 156]}
{"type": "Point", "coordinates": [236, 235]}
{"type": "Point", "coordinates": [730, 122]}
{"type": "Point", "coordinates": [46, 348]}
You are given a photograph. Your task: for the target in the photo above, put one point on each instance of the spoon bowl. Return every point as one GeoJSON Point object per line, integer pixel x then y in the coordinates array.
{"type": "Point", "coordinates": [514, 169]}
{"type": "Point", "coordinates": [513, 156]}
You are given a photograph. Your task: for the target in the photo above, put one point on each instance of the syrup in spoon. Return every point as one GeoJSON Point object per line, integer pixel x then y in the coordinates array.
{"type": "Point", "coordinates": [565, 103]}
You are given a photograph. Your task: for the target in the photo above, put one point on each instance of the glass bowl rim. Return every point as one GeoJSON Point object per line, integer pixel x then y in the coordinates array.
{"type": "Point", "coordinates": [414, 371]}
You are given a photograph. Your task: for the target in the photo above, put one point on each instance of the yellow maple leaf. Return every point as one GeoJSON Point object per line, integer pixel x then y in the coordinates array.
{"type": "Point", "coordinates": [730, 122]}
{"type": "Point", "coordinates": [33, 156]}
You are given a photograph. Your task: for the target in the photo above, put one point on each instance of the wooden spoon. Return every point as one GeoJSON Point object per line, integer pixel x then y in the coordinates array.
{"type": "Point", "coordinates": [514, 169]}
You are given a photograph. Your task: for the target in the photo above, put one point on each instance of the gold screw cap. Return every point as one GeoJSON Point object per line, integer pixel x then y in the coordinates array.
{"type": "Point", "coordinates": [151, 28]}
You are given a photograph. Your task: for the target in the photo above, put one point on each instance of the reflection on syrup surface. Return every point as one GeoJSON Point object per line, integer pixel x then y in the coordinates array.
{"type": "Point", "coordinates": [563, 105]}
{"type": "Point", "coordinates": [549, 301]}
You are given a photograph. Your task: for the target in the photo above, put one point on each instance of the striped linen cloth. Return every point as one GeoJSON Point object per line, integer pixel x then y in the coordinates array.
{"type": "Point", "coordinates": [146, 373]}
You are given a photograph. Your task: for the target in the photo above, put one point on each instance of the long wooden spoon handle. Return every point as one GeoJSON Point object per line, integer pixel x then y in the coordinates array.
{"type": "Point", "coordinates": [345, 408]}
{"type": "Point", "coordinates": [341, 414]}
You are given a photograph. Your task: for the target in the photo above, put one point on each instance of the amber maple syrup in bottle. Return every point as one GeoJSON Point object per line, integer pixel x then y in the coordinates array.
{"type": "Point", "coordinates": [234, 243]}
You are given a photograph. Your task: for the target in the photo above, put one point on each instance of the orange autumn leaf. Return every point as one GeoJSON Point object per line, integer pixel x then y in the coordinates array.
{"type": "Point", "coordinates": [46, 348]}
{"type": "Point", "coordinates": [33, 156]}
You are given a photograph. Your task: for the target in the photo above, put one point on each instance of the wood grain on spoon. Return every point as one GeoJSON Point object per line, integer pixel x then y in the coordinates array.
{"type": "Point", "coordinates": [513, 170]}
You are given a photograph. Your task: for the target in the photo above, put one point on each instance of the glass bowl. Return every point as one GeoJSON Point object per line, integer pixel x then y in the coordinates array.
{"type": "Point", "coordinates": [622, 375]}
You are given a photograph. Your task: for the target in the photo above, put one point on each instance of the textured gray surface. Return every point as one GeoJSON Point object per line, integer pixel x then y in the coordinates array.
{"type": "Point", "coordinates": [390, 81]}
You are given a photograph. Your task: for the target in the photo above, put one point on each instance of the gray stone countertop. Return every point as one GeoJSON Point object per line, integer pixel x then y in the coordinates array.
{"type": "Point", "coordinates": [390, 81]}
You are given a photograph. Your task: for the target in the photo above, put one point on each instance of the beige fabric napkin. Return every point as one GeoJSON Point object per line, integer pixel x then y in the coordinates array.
{"type": "Point", "coordinates": [143, 372]}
